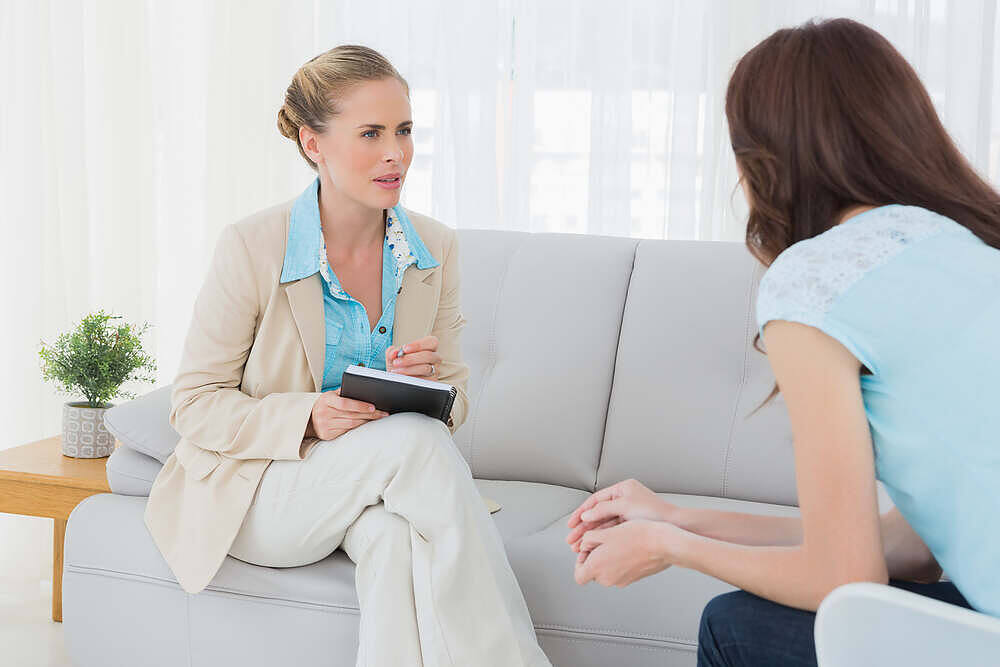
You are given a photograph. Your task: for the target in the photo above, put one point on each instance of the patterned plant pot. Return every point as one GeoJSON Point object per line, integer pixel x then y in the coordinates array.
{"type": "Point", "coordinates": [84, 433]}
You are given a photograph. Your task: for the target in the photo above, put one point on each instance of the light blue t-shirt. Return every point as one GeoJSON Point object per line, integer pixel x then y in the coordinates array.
{"type": "Point", "coordinates": [349, 338]}
{"type": "Point", "coordinates": [915, 297]}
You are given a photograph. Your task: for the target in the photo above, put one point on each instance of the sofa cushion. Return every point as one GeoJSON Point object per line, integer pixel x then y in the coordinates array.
{"type": "Point", "coordinates": [663, 609]}
{"type": "Point", "coordinates": [687, 379]}
{"type": "Point", "coordinates": [106, 533]}
{"type": "Point", "coordinates": [106, 538]}
{"type": "Point", "coordinates": [543, 313]}
{"type": "Point", "coordinates": [131, 473]}
{"type": "Point", "coordinates": [143, 424]}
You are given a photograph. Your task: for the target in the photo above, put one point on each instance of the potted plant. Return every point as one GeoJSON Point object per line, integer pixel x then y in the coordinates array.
{"type": "Point", "coordinates": [94, 360]}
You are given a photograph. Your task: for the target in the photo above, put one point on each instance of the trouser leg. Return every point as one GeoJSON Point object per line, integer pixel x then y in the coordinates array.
{"type": "Point", "coordinates": [379, 544]}
{"type": "Point", "coordinates": [739, 629]}
{"type": "Point", "coordinates": [469, 608]}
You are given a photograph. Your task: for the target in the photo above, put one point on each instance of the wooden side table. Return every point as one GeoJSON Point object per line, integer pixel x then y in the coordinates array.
{"type": "Point", "coordinates": [38, 480]}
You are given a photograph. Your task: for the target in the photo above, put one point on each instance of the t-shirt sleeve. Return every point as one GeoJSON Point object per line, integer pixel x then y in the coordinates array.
{"type": "Point", "coordinates": [792, 290]}
{"type": "Point", "coordinates": [804, 285]}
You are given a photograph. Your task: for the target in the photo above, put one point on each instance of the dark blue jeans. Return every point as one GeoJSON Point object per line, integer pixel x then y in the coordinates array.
{"type": "Point", "coordinates": [740, 629]}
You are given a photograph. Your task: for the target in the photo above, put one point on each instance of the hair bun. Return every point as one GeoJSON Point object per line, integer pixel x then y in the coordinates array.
{"type": "Point", "coordinates": [286, 126]}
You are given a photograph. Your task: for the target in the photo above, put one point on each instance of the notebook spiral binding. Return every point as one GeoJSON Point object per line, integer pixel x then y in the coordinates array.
{"type": "Point", "coordinates": [448, 405]}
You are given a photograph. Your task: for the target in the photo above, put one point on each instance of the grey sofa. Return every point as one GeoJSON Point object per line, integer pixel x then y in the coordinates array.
{"type": "Point", "coordinates": [593, 359]}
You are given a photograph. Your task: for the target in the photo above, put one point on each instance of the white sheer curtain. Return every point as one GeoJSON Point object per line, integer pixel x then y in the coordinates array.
{"type": "Point", "coordinates": [132, 132]}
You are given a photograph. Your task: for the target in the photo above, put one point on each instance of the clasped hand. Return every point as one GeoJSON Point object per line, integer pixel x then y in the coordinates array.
{"type": "Point", "coordinates": [622, 534]}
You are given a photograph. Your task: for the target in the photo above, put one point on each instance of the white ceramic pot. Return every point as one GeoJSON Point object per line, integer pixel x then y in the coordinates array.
{"type": "Point", "coordinates": [84, 433]}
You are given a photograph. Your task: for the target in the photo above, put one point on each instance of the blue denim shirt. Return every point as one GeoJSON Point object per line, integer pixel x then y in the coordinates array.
{"type": "Point", "coordinates": [349, 340]}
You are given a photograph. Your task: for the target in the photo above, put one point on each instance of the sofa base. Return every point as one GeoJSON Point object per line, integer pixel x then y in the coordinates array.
{"type": "Point", "coordinates": [122, 605]}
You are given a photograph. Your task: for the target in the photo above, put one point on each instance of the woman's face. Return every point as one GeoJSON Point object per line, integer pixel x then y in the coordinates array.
{"type": "Point", "coordinates": [366, 149]}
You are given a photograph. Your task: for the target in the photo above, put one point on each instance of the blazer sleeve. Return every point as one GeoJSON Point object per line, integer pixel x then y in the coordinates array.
{"type": "Point", "coordinates": [207, 406]}
{"type": "Point", "coordinates": [448, 325]}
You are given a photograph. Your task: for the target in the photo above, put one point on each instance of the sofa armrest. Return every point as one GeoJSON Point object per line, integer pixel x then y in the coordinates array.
{"type": "Point", "coordinates": [870, 624]}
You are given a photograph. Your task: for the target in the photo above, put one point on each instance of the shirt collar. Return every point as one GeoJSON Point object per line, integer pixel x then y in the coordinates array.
{"type": "Point", "coordinates": [306, 244]}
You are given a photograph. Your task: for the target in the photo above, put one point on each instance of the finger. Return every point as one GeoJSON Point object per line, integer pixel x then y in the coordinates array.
{"type": "Point", "coordinates": [364, 416]}
{"type": "Point", "coordinates": [423, 357]}
{"type": "Point", "coordinates": [592, 539]}
{"type": "Point", "coordinates": [603, 494]}
{"type": "Point", "coordinates": [578, 545]}
{"type": "Point", "coordinates": [603, 510]}
{"type": "Point", "coordinates": [581, 528]}
{"type": "Point", "coordinates": [420, 371]}
{"type": "Point", "coordinates": [392, 356]}
{"type": "Point", "coordinates": [597, 497]}
{"type": "Point", "coordinates": [578, 532]}
{"type": "Point", "coordinates": [350, 405]}
{"type": "Point", "coordinates": [575, 535]}
{"type": "Point", "coordinates": [425, 343]}
{"type": "Point", "coordinates": [582, 573]}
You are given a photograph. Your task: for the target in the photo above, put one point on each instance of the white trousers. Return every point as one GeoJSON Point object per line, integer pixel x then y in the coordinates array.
{"type": "Point", "coordinates": [432, 575]}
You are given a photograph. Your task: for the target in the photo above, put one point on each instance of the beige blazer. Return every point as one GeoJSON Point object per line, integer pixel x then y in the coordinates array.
{"type": "Point", "coordinates": [251, 370]}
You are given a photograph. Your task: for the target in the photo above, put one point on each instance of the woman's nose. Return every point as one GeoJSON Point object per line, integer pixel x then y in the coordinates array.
{"type": "Point", "coordinates": [394, 155]}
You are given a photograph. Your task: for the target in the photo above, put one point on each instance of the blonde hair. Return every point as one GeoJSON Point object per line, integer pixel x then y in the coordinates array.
{"type": "Point", "coordinates": [311, 99]}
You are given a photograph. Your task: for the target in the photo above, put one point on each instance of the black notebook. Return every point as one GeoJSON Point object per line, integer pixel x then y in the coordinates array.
{"type": "Point", "coordinates": [394, 392]}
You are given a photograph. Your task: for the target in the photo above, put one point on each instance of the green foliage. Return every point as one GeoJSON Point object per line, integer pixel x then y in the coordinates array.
{"type": "Point", "coordinates": [96, 358]}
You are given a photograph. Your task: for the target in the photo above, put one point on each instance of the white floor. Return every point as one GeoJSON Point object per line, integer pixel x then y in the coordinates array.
{"type": "Point", "coordinates": [28, 635]}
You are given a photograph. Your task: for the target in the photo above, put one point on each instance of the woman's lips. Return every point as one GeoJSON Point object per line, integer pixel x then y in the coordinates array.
{"type": "Point", "coordinates": [389, 182]}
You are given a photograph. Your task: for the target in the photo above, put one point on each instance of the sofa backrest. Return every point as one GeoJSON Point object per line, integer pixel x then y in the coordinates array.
{"type": "Point", "coordinates": [687, 379]}
{"type": "Point", "coordinates": [594, 359]}
{"type": "Point", "coordinates": [543, 315]}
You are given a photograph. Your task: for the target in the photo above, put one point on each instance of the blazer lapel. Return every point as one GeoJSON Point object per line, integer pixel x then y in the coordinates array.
{"type": "Point", "coordinates": [305, 297]}
{"type": "Point", "coordinates": [415, 305]}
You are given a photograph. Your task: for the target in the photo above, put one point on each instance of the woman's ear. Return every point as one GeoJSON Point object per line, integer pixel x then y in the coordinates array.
{"type": "Point", "coordinates": [309, 141]}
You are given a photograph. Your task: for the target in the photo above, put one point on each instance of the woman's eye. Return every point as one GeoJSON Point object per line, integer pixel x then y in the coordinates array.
{"type": "Point", "coordinates": [370, 134]}
{"type": "Point", "coordinates": [406, 131]}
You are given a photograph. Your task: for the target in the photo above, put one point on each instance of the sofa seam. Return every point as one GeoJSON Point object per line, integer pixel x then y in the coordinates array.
{"type": "Point", "coordinates": [119, 471]}
{"type": "Point", "coordinates": [612, 640]}
{"type": "Point", "coordinates": [615, 632]}
{"type": "Point", "coordinates": [488, 373]}
{"type": "Point", "coordinates": [130, 442]}
{"type": "Point", "coordinates": [742, 385]}
{"type": "Point", "coordinates": [614, 367]}
{"type": "Point", "coordinates": [150, 579]}
{"type": "Point", "coordinates": [107, 572]}
{"type": "Point", "coordinates": [550, 524]}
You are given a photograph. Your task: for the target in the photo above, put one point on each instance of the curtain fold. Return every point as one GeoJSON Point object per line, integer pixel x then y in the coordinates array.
{"type": "Point", "coordinates": [132, 132]}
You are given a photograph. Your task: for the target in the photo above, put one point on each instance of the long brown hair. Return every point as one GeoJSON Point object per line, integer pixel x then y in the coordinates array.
{"type": "Point", "coordinates": [828, 115]}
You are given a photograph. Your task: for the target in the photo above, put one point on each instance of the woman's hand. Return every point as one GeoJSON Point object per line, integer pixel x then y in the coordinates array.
{"type": "Point", "coordinates": [616, 504]}
{"type": "Point", "coordinates": [334, 415]}
{"type": "Point", "coordinates": [420, 359]}
{"type": "Point", "coordinates": [625, 553]}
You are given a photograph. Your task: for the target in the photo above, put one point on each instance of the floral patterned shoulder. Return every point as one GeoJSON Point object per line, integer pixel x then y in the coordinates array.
{"type": "Point", "coordinates": [805, 280]}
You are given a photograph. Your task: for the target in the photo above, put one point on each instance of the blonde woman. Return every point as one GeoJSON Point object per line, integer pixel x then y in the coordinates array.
{"type": "Point", "coordinates": [274, 467]}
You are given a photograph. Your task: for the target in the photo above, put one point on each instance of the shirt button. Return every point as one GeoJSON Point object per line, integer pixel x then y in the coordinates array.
{"type": "Point", "coordinates": [381, 330]}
